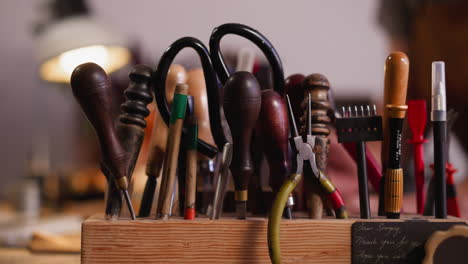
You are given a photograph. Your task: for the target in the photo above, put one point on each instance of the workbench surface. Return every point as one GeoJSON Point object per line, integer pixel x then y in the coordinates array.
{"type": "Point", "coordinates": [24, 256]}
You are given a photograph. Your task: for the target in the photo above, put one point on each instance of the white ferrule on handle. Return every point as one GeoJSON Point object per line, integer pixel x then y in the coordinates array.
{"type": "Point", "coordinates": [439, 105]}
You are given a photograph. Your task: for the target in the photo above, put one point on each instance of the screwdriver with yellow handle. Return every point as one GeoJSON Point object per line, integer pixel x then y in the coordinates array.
{"type": "Point", "coordinates": [395, 88]}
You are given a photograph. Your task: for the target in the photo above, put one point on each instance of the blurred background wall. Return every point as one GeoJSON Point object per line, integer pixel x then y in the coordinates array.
{"type": "Point", "coordinates": [339, 39]}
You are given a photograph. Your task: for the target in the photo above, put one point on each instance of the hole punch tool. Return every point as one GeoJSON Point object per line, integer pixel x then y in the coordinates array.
{"type": "Point", "coordinates": [304, 148]}
{"type": "Point", "coordinates": [374, 170]}
{"type": "Point", "coordinates": [359, 128]}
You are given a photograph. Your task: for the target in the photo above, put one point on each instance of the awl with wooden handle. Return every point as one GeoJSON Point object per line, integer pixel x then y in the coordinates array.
{"type": "Point", "coordinates": [176, 74]}
{"type": "Point", "coordinates": [91, 88]}
{"type": "Point", "coordinates": [242, 102]}
{"type": "Point", "coordinates": [273, 126]}
{"type": "Point", "coordinates": [176, 122]}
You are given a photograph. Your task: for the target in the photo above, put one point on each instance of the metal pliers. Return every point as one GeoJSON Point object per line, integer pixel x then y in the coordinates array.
{"type": "Point", "coordinates": [304, 148]}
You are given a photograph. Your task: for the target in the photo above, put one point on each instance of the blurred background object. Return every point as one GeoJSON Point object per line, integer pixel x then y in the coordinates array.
{"type": "Point", "coordinates": [430, 31]}
{"type": "Point", "coordinates": [54, 172]}
{"type": "Point", "coordinates": [69, 36]}
{"type": "Point", "coordinates": [334, 54]}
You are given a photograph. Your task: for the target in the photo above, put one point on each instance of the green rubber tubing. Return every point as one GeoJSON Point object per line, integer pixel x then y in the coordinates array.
{"type": "Point", "coordinates": [276, 214]}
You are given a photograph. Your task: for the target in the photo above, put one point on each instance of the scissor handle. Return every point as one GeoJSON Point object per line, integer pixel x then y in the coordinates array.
{"type": "Point", "coordinates": [159, 85]}
{"type": "Point", "coordinates": [258, 39]}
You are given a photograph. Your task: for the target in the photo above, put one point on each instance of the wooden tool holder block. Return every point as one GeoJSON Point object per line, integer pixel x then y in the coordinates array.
{"type": "Point", "coordinates": [215, 241]}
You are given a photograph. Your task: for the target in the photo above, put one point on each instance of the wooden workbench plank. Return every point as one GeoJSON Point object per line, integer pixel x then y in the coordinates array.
{"type": "Point", "coordinates": [24, 256]}
{"type": "Point", "coordinates": [206, 241]}
{"type": "Point", "coordinates": [221, 241]}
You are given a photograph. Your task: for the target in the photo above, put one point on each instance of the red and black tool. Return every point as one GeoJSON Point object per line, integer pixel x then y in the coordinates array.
{"type": "Point", "coordinates": [453, 208]}
{"type": "Point", "coordinates": [452, 201]}
{"type": "Point", "coordinates": [417, 117]}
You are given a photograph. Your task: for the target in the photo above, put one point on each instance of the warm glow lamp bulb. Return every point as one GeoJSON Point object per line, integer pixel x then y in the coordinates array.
{"type": "Point", "coordinates": [59, 68]}
{"type": "Point", "coordinates": [67, 43]}
{"type": "Point", "coordinates": [70, 59]}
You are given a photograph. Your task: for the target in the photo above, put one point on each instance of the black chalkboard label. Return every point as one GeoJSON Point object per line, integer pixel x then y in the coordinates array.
{"type": "Point", "coordinates": [392, 242]}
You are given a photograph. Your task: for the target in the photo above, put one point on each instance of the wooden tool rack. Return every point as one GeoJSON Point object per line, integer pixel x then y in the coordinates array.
{"type": "Point", "coordinates": [216, 241]}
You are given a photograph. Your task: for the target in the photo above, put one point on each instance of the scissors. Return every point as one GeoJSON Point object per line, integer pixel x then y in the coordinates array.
{"type": "Point", "coordinates": [213, 65]}
{"type": "Point", "coordinates": [159, 85]}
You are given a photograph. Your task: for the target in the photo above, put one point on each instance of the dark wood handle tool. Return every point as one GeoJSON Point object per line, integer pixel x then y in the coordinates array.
{"type": "Point", "coordinates": [242, 102]}
{"type": "Point", "coordinates": [273, 126]}
{"type": "Point", "coordinates": [223, 74]}
{"type": "Point", "coordinates": [317, 86]}
{"type": "Point", "coordinates": [133, 113]}
{"type": "Point", "coordinates": [293, 88]}
{"type": "Point", "coordinates": [91, 88]}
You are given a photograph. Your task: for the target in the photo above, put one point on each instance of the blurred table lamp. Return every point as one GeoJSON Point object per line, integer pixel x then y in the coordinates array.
{"type": "Point", "coordinates": [71, 37]}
